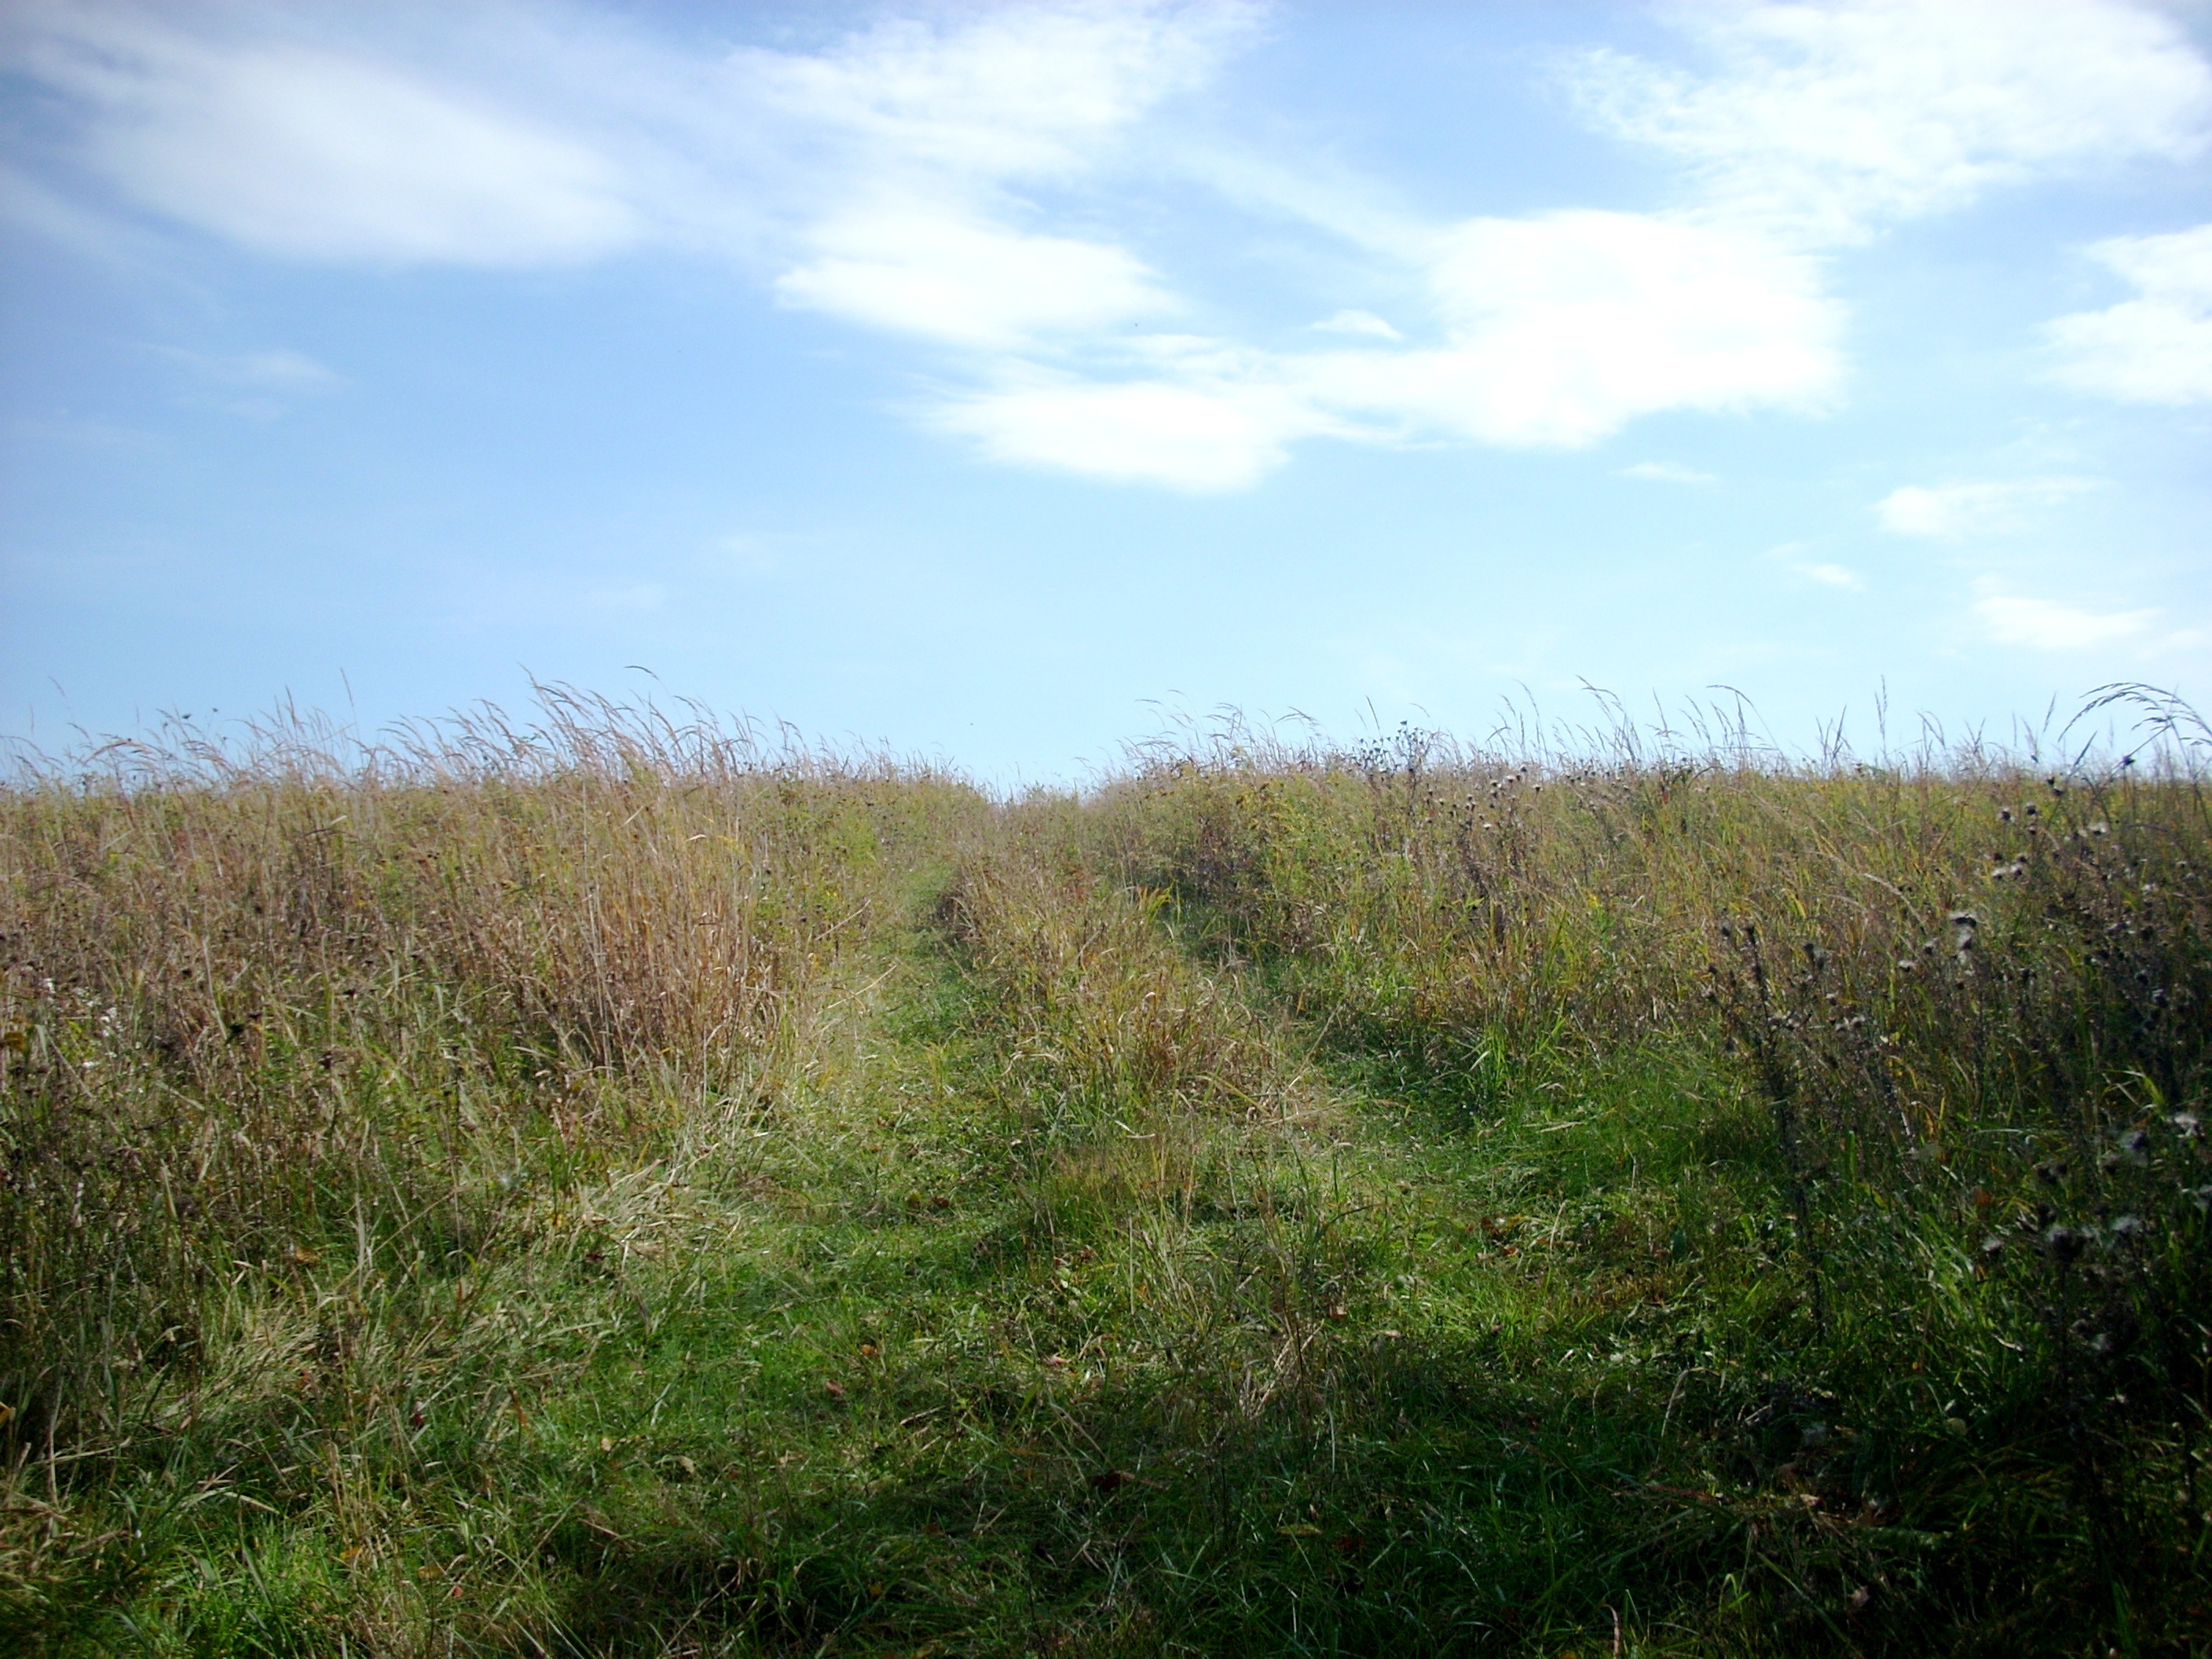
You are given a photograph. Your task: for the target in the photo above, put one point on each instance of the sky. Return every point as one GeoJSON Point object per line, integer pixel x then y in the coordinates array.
{"type": "Point", "coordinates": [1000, 383]}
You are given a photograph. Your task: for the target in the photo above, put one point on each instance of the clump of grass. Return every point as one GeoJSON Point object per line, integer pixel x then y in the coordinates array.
{"type": "Point", "coordinates": [287, 1025]}
{"type": "Point", "coordinates": [1100, 1009]}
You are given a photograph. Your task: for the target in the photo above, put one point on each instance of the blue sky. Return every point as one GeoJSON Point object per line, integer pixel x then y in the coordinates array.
{"type": "Point", "coordinates": [990, 380]}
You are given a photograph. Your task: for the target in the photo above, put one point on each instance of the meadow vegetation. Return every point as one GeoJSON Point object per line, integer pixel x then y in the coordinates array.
{"type": "Point", "coordinates": [616, 1185]}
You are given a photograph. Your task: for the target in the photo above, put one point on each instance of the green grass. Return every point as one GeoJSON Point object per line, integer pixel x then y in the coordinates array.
{"type": "Point", "coordinates": [614, 1189]}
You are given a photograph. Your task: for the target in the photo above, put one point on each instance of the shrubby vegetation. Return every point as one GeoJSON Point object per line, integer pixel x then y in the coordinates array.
{"type": "Point", "coordinates": [621, 1187]}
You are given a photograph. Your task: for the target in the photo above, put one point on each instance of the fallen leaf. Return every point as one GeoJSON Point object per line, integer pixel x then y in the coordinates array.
{"type": "Point", "coordinates": [1300, 1529]}
{"type": "Point", "coordinates": [835, 1390]}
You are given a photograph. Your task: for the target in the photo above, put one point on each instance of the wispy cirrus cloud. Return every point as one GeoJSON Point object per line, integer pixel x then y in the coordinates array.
{"type": "Point", "coordinates": [261, 385]}
{"type": "Point", "coordinates": [2051, 625]}
{"type": "Point", "coordinates": [1821, 573]}
{"type": "Point", "coordinates": [1668, 472]}
{"type": "Point", "coordinates": [302, 152]}
{"type": "Point", "coordinates": [1952, 511]}
{"type": "Point", "coordinates": [878, 178]}
{"type": "Point", "coordinates": [1821, 123]}
{"type": "Point", "coordinates": [2156, 348]}
{"type": "Point", "coordinates": [278, 370]}
{"type": "Point", "coordinates": [934, 177]}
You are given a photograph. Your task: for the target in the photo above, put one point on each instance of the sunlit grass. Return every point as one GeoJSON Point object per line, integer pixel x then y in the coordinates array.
{"type": "Point", "coordinates": [625, 1186]}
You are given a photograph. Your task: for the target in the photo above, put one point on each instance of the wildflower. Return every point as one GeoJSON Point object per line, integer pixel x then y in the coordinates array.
{"type": "Point", "coordinates": [2184, 1125]}
{"type": "Point", "coordinates": [2061, 1242]}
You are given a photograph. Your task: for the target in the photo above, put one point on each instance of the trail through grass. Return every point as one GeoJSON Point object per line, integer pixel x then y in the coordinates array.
{"type": "Point", "coordinates": [1245, 1211]}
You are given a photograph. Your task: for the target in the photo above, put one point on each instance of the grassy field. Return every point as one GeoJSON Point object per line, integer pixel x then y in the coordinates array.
{"type": "Point", "coordinates": [614, 1187]}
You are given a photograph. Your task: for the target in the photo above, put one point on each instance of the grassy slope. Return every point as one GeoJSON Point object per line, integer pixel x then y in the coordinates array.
{"type": "Point", "coordinates": [1190, 1223]}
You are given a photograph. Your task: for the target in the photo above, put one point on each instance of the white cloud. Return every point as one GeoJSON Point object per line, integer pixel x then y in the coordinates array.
{"type": "Point", "coordinates": [918, 131]}
{"type": "Point", "coordinates": [1668, 472]}
{"type": "Point", "coordinates": [1357, 322]}
{"type": "Point", "coordinates": [2047, 625]}
{"type": "Point", "coordinates": [275, 370]}
{"type": "Point", "coordinates": [871, 177]}
{"type": "Point", "coordinates": [1821, 121]}
{"type": "Point", "coordinates": [1017, 92]}
{"type": "Point", "coordinates": [1559, 331]}
{"type": "Point", "coordinates": [1206, 434]}
{"type": "Point", "coordinates": [2154, 349]}
{"type": "Point", "coordinates": [1832, 575]}
{"type": "Point", "coordinates": [1790, 556]}
{"type": "Point", "coordinates": [307, 153]}
{"type": "Point", "coordinates": [1565, 326]}
{"type": "Point", "coordinates": [1955, 510]}
{"type": "Point", "coordinates": [939, 274]}
{"type": "Point", "coordinates": [927, 176]}
{"type": "Point", "coordinates": [261, 385]}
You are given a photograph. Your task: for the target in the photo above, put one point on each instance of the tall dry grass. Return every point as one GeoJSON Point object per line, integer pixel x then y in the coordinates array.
{"type": "Point", "coordinates": [263, 1001]}
{"type": "Point", "coordinates": [1971, 997]}
{"type": "Point", "coordinates": [1388, 1191]}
